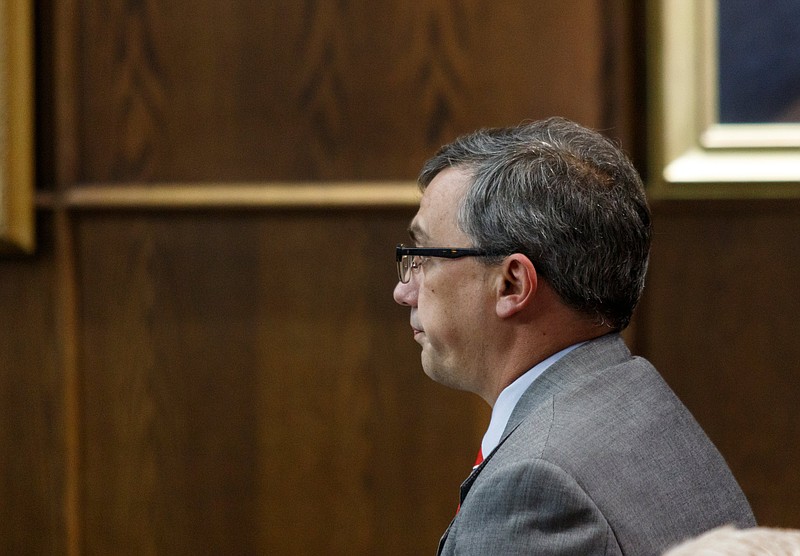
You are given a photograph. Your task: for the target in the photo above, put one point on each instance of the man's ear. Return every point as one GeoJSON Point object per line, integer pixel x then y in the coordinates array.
{"type": "Point", "coordinates": [517, 286]}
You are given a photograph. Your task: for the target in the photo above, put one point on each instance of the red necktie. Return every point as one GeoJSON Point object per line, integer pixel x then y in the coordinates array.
{"type": "Point", "coordinates": [478, 461]}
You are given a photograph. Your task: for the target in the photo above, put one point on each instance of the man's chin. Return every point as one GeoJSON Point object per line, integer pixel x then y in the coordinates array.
{"type": "Point", "coordinates": [442, 375]}
{"type": "Point", "coordinates": [428, 366]}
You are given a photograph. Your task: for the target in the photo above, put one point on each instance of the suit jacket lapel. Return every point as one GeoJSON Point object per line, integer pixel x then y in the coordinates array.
{"type": "Point", "coordinates": [593, 356]}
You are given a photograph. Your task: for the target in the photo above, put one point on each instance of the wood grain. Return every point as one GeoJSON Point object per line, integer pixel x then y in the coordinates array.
{"type": "Point", "coordinates": [721, 306]}
{"type": "Point", "coordinates": [249, 383]}
{"type": "Point", "coordinates": [202, 366]}
{"type": "Point", "coordinates": [321, 90]}
{"type": "Point", "coordinates": [32, 460]}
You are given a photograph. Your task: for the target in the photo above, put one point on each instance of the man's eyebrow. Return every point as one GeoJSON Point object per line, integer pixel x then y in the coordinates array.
{"type": "Point", "coordinates": [415, 233]}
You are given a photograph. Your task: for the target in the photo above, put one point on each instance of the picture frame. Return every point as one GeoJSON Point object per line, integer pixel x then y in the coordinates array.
{"type": "Point", "coordinates": [16, 127]}
{"type": "Point", "coordinates": [692, 154]}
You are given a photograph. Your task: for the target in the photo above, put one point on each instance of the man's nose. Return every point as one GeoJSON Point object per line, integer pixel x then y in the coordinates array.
{"type": "Point", "coordinates": [406, 294]}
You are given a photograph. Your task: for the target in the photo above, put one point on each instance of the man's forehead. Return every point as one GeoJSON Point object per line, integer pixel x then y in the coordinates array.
{"type": "Point", "coordinates": [436, 218]}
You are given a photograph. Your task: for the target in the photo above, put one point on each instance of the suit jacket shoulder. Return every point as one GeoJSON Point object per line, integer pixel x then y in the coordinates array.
{"type": "Point", "coordinates": [602, 446]}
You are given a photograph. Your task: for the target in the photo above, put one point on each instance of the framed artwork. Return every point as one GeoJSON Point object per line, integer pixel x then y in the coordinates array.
{"type": "Point", "coordinates": [16, 126]}
{"type": "Point", "coordinates": [724, 89]}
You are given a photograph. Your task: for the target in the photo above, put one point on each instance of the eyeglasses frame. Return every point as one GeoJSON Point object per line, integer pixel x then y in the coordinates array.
{"type": "Point", "coordinates": [439, 252]}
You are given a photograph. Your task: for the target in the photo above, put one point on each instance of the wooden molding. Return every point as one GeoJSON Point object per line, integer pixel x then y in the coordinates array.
{"type": "Point", "coordinates": [191, 196]}
{"type": "Point", "coordinates": [16, 127]}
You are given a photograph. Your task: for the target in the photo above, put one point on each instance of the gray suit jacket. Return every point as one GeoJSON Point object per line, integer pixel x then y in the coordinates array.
{"type": "Point", "coordinates": [599, 457]}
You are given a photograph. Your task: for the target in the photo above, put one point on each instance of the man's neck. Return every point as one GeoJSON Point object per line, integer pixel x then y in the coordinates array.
{"type": "Point", "coordinates": [526, 351]}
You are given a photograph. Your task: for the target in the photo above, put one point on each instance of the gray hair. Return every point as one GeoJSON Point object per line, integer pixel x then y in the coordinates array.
{"type": "Point", "coordinates": [567, 198]}
{"type": "Point", "coordinates": [727, 541]}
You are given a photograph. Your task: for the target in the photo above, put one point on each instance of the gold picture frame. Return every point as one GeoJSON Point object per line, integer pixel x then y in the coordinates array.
{"type": "Point", "coordinates": [692, 155]}
{"type": "Point", "coordinates": [16, 127]}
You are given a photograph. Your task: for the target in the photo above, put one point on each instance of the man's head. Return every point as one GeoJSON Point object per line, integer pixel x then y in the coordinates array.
{"type": "Point", "coordinates": [562, 213]}
{"type": "Point", "coordinates": [728, 541]}
{"type": "Point", "coordinates": [564, 196]}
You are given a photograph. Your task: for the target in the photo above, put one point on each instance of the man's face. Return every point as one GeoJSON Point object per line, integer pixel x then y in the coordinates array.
{"type": "Point", "coordinates": [450, 299]}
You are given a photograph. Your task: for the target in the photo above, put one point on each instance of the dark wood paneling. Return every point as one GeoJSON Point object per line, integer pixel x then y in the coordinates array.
{"type": "Point", "coordinates": [250, 386]}
{"type": "Point", "coordinates": [720, 322]}
{"type": "Point", "coordinates": [319, 90]}
{"type": "Point", "coordinates": [241, 381]}
{"type": "Point", "coordinates": [32, 464]}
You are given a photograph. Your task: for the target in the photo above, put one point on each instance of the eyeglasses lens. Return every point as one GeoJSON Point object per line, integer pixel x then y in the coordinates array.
{"type": "Point", "coordinates": [404, 269]}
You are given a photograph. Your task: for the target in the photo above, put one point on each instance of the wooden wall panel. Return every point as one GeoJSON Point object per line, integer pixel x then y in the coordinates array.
{"type": "Point", "coordinates": [32, 456]}
{"type": "Point", "coordinates": [720, 322]}
{"type": "Point", "coordinates": [211, 380]}
{"type": "Point", "coordinates": [319, 90]}
{"type": "Point", "coordinates": [249, 386]}
{"type": "Point", "coordinates": [165, 398]}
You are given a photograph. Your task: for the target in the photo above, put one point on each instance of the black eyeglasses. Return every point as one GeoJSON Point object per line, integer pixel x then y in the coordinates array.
{"type": "Point", "coordinates": [411, 258]}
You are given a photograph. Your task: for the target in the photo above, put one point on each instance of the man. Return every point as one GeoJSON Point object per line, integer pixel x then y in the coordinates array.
{"type": "Point", "coordinates": [531, 247]}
